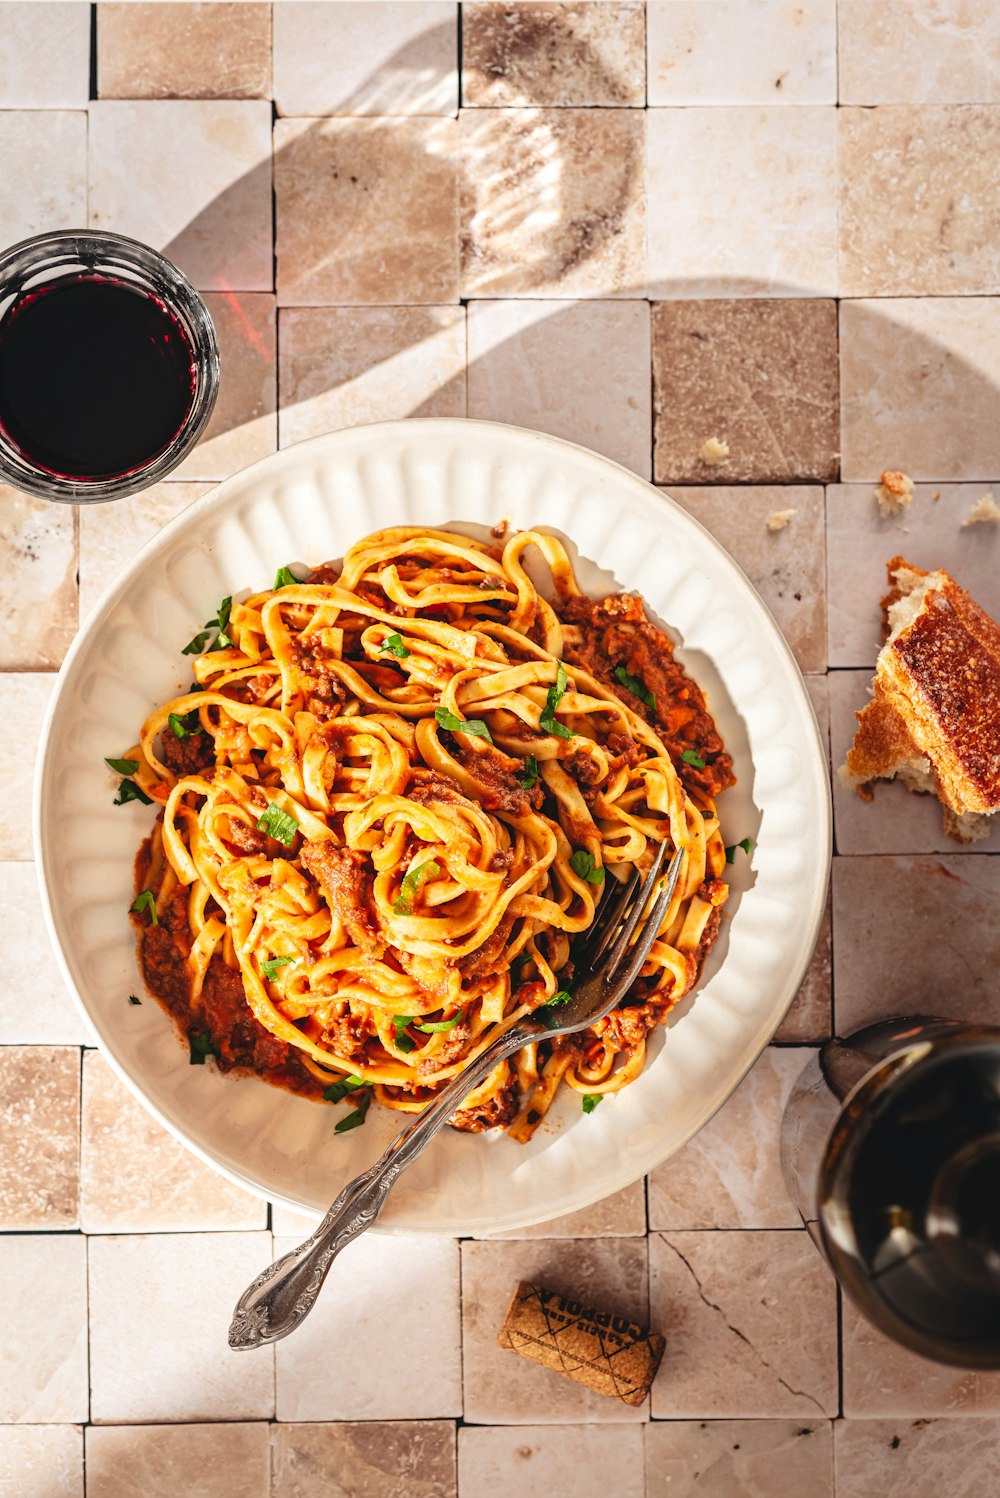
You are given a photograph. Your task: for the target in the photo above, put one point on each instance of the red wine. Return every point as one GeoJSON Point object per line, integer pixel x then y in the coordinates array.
{"type": "Point", "coordinates": [97, 377]}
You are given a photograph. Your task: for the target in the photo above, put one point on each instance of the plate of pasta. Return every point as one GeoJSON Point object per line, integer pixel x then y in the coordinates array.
{"type": "Point", "coordinates": [301, 862]}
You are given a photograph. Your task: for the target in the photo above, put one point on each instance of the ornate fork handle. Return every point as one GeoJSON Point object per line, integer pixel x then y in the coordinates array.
{"type": "Point", "coordinates": [285, 1292]}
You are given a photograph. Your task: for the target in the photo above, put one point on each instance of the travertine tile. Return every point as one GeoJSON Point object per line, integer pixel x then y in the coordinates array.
{"type": "Point", "coordinates": [504, 1389]}
{"type": "Point", "coordinates": [562, 1461]}
{"type": "Point", "coordinates": [26, 698]}
{"type": "Point", "coordinates": [787, 567]}
{"type": "Point", "coordinates": [110, 535]}
{"type": "Point", "coordinates": [917, 1458]}
{"type": "Point", "coordinates": [929, 534]}
{"type": "Point", "coordinates": [39, 1137]}
{"type": "Point", "coordinates": [192, 178]}
{"type": "Point", "coordinates": [882, 1378]}
{"type": "Point", "coordinates": [38, 596]}
{"type": "Point", "coordinates": [417, 1279]}
{"type": "Point", "coordinates": [344, 366]}
{"type": "Point", "coordinates": [43, 1334]}
{"type": "Point", "coordinates": [738, 1343]}
{"type": "Point", "coordinates": [174, 1293]}
{"type": "Point", "coordinates": [727, 52]}
{"type": "Point", "coordinates": [533, 364]}
{"type": "Point", "coordinates": [45, 60]}
{"type": "Point", "coordinates": [621, 1215]}
{"type": "Point", "coordinates": [35, 1007]}
{"type": "Point", "coordinates": [740, 1459]}
{"type": "Point", "coordinates": [760, 376]}
{"type": "Point", "coordinates": [883, 961]}
{"type": "Point", "coordinates": [377, 58]}
{"type": "Point", "coordinates": [369, 1459]}
{"type": "Point", "coordinates": [178, 1461]}
{"type": "Point", "coordinates": [244, 424]}
{"type": "Point", "coordinates": [810, 1016]}
{"type": "Point", "coordinates": [218, 51]}
{"type": "Point", "coordinates": [919, 380]}
{"type": "Point", "coordinates": [553, 202]}
{"type": "Point", "coordinates": [919, 200]}
{"type": "Point", "coordinates": [137, 1178]}
{"type": "Point", "coordinates": [729, 1174]}
{"type": "Point", "coordinates": [41, 1461]}
{"type": "Point", "coordinates": [345, 232]}
{"type": "Point", "coordinates": [898, 52]}
{"type": "Point", "coordinates": [287, 1223]}
{"type": "Point", "coordinates": [45, 171]}
{"type": "Point", "coordinates": [552, 54]}
{"type": "Point", "coordinates": [745, 202]}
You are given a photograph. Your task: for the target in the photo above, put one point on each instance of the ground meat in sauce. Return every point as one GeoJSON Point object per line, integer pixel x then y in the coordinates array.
{"type": "Point", "coordinates": [345, 881]}
{"type": "Point", "coordinates": [325, 576]}
{"type": "Point", "coordinates": [348, 1034]}
{"type": "Point", "coordinates": [246, 839]}
{"type": "Point", "coordinates": [496, 1113]}
{"type": "Point", "coordinates": [186, 756]}
{"type": "Point", "coordinates": [239, 1037]}
{"type": "Point", "coordinates": [484, 958]}
{"type": "Point", "coordinates": [454, 1045]}
{"type": "Point", "coordinates": [494, 774]}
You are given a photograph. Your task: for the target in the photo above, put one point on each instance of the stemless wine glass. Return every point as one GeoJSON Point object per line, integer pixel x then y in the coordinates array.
{"type": "Point", "coordinates": [102, 341]}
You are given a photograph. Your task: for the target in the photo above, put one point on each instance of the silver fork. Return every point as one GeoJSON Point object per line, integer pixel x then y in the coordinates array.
{"type": "Point", "coordinates": [285, 1292]}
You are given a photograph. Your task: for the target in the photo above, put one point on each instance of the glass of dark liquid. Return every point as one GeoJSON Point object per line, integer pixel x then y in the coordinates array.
{"type": "Point", "coordinates": [109, 366]}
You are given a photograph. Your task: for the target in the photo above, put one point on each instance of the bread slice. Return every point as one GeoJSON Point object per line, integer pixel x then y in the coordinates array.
{"type": "Point", "coordinates": [934, 718]}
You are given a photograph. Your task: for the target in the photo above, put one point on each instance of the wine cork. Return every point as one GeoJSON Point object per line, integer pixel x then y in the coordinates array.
{"type": "Point", "coordinates": [602, 1351]}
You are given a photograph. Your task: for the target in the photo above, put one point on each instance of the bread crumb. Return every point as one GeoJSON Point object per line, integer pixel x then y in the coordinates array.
{"type": "Point", "coordinates": [778, 519]}
{"type": "Point", "coordinates": [936, 495]}
{"type": "Point", "coordinates": [714, 451]}
{"type": "Point", "coordinates": [983, 512]}
{"type": "Point", "coordinates": [894, 493]}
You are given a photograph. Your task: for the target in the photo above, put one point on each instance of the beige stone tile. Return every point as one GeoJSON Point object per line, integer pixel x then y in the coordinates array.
{"type": "Point", "coordinates": [553, 202]}
{"type": "Point", "coordinates": [38, 595]}
{"type": "Point", "coordinates": [758, 375]}
{"type": "Point", "coordinates": [174, 1293]}
{"type": "Point", "coordinates": [739, 1344]}
{"type": "Point", "coordinates": [728, 52]}
{"type": "Point", "coordinates": [244, 424]}
{"type": "Point", "coordinates": [929, 534]}
{"type": "Point", "coordinates": [898, 52]}
{"type": "Point", "coordinates": [178, 1461]}
{"type": "Point", "coordinates": [562, 1461]}
{"type": "Point", "coordinates": [368, 1459]}
{"type": "Point", "coordinates": [729, 1174]}
{"type": "Point", "coordinates": [551, 54]}
{"type": "Point", "coordinates": [533, 364]}
{"type": "Point", "coordinates": [919, 200]}
{"type": "Point", "coordinates": [787, 567]}
{"type": "Point", "coordinates": [377, 58]}
{"type": "Point", "coordinates": [218, 51]}
{"type": "Point", "coordinates": [746, 202]}
{"type": "Point", "coordinates": [882, 1378]}
{"type": "Point", "coordinates": [920, 377]}
{"type": "Point", "coordinates": [810, 1016]}
{"type": "Point", "coordinates": [416, 1281]}
{"type": "Point", "coordinates": [346, 234]}
{"type": "Point", "coordinates": [286, 1223]}
{"type": "Point", "coordinates": [41, 1461]}
{"type": "Point", "coordinates": [344, 366]}
{"type": "Point", "coordinates": [110, 535]}
{"type": "Point", "coordinates": [35, 1006]}
{"type": "Point", "coordinates": [45, 61]}
{"type": "Point", "coordinates": [740, 1459]}
{"type": "Point", "coordinates": [621, 1215]}
{"type": "Point", "coordinates": [915, 934]}
{"type": "Point", "coordinates": [137, 1178]}
{"type": "Point", "coordinates": [45, 171]}
{"type": "Point", "coordinates": [39, 1137]}
{"type": "Point", "coordinates": [917, 1458]}
{"type": "Point", "coordinates": [504, 1389]}
{"type": "Point", "coordinates": [43, 1335]}
{"type": "Point", "coordinates": [26, 698]}
{"type": "Point", "coordinates": [191, 177]}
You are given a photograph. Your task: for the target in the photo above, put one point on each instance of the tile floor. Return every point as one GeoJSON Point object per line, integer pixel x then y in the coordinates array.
{"type": "Point", "coordinates": [774, 223]}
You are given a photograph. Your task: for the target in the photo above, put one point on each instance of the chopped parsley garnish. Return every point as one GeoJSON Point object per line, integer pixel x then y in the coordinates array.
{"type": "Point", "coordinates": [546, 1012]}
{"type": "Point", "coordinates": [394, 645]}
{"type": "Point", "coordinates": [278, 824]}
{"type": "Point", "coordinates": [436, 1027]}
{"type": "Point", "coordinates": [403, 1041]}
{"type": "Point", "coordinates": [339, 1090]}
{"type": "Point", "coordinates": [591, 1100]}
{"type": "Point", "coordinates": [547, 721]}
{"type": "Point", "coordinates": [582, 863]}
{"type": "Point", "coordinates": [145, 900]}
{"type": "Point", "coordinates": [133, 999]}
{"type": "Point", "coordinates": [517, 967]}
{"type": "Point", "coordinates": [183, 726]}
{"type": "Point", "coordinates": [129, 791]}
{"type": "Point", "coordinates": [746, 843]}
{"type": "Point", "coordinates": [356, 1117]}
{"type": "Point", "coordinates": [530, 776]}
{"type": "Point", "coordinates": [403, 903]}
{"type": "Point", "coordinates": [691, 758]}
{"type": "Point", "coordinates": [634, 685]}
{"type": "Point", "coordinates": [123, 766]}
{"type": "Point", "coordinates": [201, 1045]}
{"type": "Point", "coordinates": [220, 622]}
{"type": "Point", "coordinates": [285, 578]}
{"type": "Point", "coordinates": [474, 727]}
{"type": "Point", "coordinates": [197, 645]}
{"type": "Point", "coordinates": [271, 966]}
{"type": "Point", "coordinates": [562, 997]}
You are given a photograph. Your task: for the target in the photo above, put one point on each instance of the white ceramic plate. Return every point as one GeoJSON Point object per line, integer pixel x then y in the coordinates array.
{"type": "Point", "coordinates": [308, 504]}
